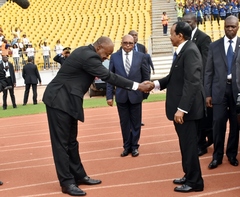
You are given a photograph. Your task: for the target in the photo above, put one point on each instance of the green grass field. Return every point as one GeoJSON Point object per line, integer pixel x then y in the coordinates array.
{"type": "Point", "coordinates": [93, 102]}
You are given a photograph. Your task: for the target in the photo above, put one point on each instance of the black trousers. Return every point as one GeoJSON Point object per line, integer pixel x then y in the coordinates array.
{"type": "Point", "coordinates": [221, 114]}
{"type": "Point", "coordinates": [11, 91]}
{"type": "Point", "coordinates": [63, 132]}
{"type": "Point", "coordinates": [187, 134]}
{"type": "Point", "coordinates": [26, 93]}
{"type": "Point", "coordinates": [130, 116]}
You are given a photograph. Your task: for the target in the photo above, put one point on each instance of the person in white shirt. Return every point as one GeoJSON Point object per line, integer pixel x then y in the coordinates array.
{"type": "Point", "coordinates": [25, 41]}
{"type": "Point", "coordinates": [15, 55]}
{"type": "Point", "coordinates": [46, 51]}
{"type": "Point", "coordinates": [30, 51]}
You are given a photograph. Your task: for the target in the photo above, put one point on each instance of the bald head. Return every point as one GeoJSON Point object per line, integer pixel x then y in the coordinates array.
{"type": "Point", "coordinates": [104, 47]}
{"type": "Point", "coordinates": [231, 26]}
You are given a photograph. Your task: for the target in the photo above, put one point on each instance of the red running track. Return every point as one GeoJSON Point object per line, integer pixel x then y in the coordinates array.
{"type": "Point", "coordinates": [27, 169]}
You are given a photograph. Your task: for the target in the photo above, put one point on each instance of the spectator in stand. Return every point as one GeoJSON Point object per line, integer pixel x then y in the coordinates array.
{"type": "Point", "coordinates": [165, 23]}
{"type": "Point", "coordinates": [14, 40]}
{"type": "Point", "coordinates": [199, 15]}
{"type": "Point", "coordinates": [46, 51]}
{"type": "Point", "coordinates": [207, 12]}
{"type": "Point", "coordinates": [5, 47]}
{"type": "Point", "coordinates": [234, 9]}
{"type": "Point", "coordinates": [58, 49]}
{"type": "Point", "coordinates": [16, 31]}
{"type": "Point", "coordinates": [15, 55]}
{"type": "Point", "coordinates": [228, 8]}
{"type": "Point", "coordinates": [25, 41]}
{"type": "Point", "coordinates": [215, 13]}
{"type": "Point", "coordinates": [30, 51]}
{"type": "Point", "coordinates": [222, 12]}
{"type": "Point", "coordinates": [179, 9]}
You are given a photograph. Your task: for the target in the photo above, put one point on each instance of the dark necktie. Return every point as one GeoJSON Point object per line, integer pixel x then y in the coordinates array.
{"type": "Point", "coordinates": [174, 55]}
{"type": "Point", "coordinates": [127, 64]}
{"type": "Point", "coordinates": [230, 56]}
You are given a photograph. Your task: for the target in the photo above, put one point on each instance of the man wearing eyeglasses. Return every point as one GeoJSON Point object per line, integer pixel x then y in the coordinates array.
{"type": "Point", "coordinates": [132, 65]}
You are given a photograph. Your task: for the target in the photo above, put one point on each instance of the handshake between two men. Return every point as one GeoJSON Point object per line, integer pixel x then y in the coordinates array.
{"type": "Point", "coordinates": [146, 86]}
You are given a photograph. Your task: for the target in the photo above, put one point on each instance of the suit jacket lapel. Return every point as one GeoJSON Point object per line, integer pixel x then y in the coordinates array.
{"type": "Point", "coordinates": [236, 49]}
{"type": "Point", "coordinates": [222, 51]}
{"type": "Point", "coordinates": [195, 36]}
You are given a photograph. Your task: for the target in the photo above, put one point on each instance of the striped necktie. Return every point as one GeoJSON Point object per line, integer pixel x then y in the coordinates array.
{"type": "Point", "coordinates": [127, 64]}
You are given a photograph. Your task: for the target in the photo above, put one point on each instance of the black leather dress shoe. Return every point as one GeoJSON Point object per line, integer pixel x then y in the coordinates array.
{"type": "Point", "coordinates": [73, 190]}
{"type": "Point", "coordinates": [1, 182]}
{"type": "Point", "coordinates": [125, 153]}
{"type": "Point", "coordinates": [202, 152]}
{"type": "Point", "coordinates": [180, 181]}
{"type": "Point", "coordinates": [88, 181]}
{"type": "Point", "coordinates": [135, 153]}
{"type": "Point", "coordinates": [4, 108]}
{"type": "Point", "coordinates": [15, 106]}
{"type": "Point", "coordinates": [214, 163]}
{"type": "Point", "coordinates": [233, 161]}
{"type": "Point", "coordinates": [186, 188]}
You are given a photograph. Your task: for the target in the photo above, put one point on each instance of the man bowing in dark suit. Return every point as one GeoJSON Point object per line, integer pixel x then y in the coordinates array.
{"type": "Point", "coordinates": [221, 92]}
{"type": "Point", "coordinates": [63, 98]}
{"type": "Point", "coordinates": [185, 103]}
{"type": "Point", "coordinates": [31, 77]}
{"type": "Point", "coordinates": [131, 65]}
{"type": "Point", "coordinates": [202, 41]}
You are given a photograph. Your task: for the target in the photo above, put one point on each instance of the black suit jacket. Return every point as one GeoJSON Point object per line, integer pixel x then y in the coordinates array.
{"type": "Point", "coordinates": [184, 84]}
{"type": "Point", "coordinates": [217, 71]}
{"type": "Point", "coordinates": [66, 91]}
{"type": "Point", "coordinates": [30, 74]}
{"type": "Point", "coordinates": [11, 70]}
{"type": "Point", "coordinates": [58, 58]}
{"type": "Point", "coordinates": [141, 48]}
{"type": "Point", "coordinates": [202, 41]}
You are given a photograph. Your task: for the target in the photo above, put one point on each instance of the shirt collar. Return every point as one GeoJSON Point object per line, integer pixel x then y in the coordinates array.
{"type": "Point", "coordinates": [226, 39]}
{"type": "Point", "coordinates": [180, 47]}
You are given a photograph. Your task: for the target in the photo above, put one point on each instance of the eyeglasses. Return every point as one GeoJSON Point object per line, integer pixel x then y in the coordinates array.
{"type": "Point", "coordinates": [128, 43]}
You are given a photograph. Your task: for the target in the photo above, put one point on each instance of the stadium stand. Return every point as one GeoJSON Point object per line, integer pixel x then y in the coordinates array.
{"type": "Point", "coordinates": [77, 22]}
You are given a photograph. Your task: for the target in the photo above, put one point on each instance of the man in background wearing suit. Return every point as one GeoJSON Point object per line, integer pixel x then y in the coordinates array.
{"type": "Point", "coordinates": [202, 41]}
{"type": "Point", "coordinates": [131, 65]}
{"type": "Point", "coordinates": [137, 46]}
{"type": "Point", "coordinates": [63, 98]}
{"type": "Point", "coordinates": [221, 92]}
{"type": "Point", "coordinates": [185, 103]}
{"type": "Point", "coordinates": [31, 77]}
{"type": "Point", "coordinates": [11, 81]}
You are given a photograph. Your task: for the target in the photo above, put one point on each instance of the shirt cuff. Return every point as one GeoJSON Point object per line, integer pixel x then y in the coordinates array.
{"type": "Point", "coordinates": [157, 85]}
{"type": "Point", "coordinates": [182, 110]}
{"type": "Point", "coordinates": [135, 86]}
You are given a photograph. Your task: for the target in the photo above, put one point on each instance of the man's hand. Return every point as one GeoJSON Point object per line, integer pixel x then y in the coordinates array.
{"type": "Point", "coordinates": [178, 117]}
{"type": "Point", "coordinates": [209, 101]}
{"type": "Point", "coordinates": [110, 102]}
{"type": "Point", "coordinates": [146, 86]}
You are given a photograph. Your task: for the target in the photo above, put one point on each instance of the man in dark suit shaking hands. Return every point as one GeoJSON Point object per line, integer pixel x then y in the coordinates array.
{"type": "Point", "coordinates": [131, 65]}
{"type": "Point", "coordinates": [31, 77]}
{"type": "Point", "coordinates": [221, 92]}
{"type": "Point", "coordinates": [63, 98]}
{"type": "Point", "coordinates": [185, 103]}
